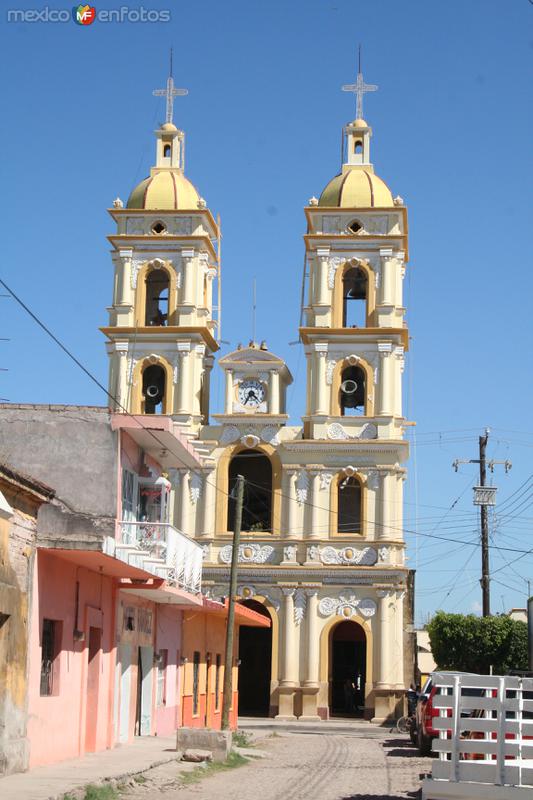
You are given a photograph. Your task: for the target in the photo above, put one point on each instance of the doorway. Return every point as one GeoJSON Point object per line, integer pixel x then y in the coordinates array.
{"type": "Point", "coordinates": [93, 680]}
{"type": "Point", "coordinates": [255, 655]}
{"type": "Point", "coordinates": [348, 670]}
{"type": "Point", "coordinates": [143, 708]}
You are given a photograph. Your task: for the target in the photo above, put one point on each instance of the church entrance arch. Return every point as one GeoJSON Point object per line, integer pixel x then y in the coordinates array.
{"type": "Point", "coordinates": [347, 654]}
{"type": "Point", "coordinates": [255, 655]}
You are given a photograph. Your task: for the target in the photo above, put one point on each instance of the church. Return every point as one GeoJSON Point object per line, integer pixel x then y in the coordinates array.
{"type": "Point", "coordinates": [322, 552]}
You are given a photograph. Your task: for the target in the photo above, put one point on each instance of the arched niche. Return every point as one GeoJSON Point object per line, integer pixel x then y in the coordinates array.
{"type": "Point", "coordinates": [155, 265]}
{"type": "Point", "coordinates": [339, 290]}
{"type": "Point", "coordinates": [340, 367]}
{"type": "Point", "coordinates": [137, 398]}
{"type": "Point", "coordinates": [223, 487]}
{"type": "Point", "coordinates": [337, 490]}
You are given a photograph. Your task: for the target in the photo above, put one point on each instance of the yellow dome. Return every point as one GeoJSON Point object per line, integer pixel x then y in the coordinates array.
{"type": "Point", "coordinates": [356, 188]}
{"type": "Point", "coordinates": [165, 190]}
{"type": "Point", "coordinates": [168, 126]}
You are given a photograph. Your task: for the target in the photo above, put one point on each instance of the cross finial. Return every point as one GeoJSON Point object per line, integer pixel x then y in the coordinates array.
{"type": "Point", "coordinates": [170, 93]}
{"type": "Point", "coordinates": [359, 88]}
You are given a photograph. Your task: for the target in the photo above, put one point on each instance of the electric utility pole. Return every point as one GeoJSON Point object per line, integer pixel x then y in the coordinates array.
{"type": "Point", "coordinates": [228, 664]}
{"type": "Point", "coordinates": [484, 496]}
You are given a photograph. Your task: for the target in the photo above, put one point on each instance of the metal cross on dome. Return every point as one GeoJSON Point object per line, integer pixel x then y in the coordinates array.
{"type": "Point", "coordinates": [170, 93]}
{"type": "Point", "coordinates": [359, 88]}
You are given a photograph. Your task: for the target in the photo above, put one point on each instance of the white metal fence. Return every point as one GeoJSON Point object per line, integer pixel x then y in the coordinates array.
{"type": "Point", "coordinates": [485, 726]}
{"type": "Point", "coordinates": [181, 555]}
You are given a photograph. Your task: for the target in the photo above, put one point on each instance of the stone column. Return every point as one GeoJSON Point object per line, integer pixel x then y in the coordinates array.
{"type": "Point", "coordinates": [124, 278]}
{"type": "Point", "coordinates": [229, 392]}
{"type": "Point", "coordinates": [397, 676]}
{"type": "Point", "coordinates": [384, 638]}
{"type": "Point", "coordinates": [290, 500]}
{"type": "Point", "coordinates": [208, 513]}
{"type": "Point", "coordinates": [185, 514]}
{"type": "Point", "coordinates": [385, 395]}
{"type": "Point", "coordinates": [386, 500]}
{"type": "Point", "coordinates": [187, 257]}
{"type": "Point", "coordinates": [122, 378]}
{"type": "Point", "coordinates": [321, 285]}
{"type": "Point", "coordinates": [316, 507]}
{"type": "Point", "coordinates": [387, 276]}
{"type": "Point", "coordinates": [321, 386]}
{"type": "Point", "coordinates": [273, 391]}
{"type": "Point", "coordinates": [311, 684]}
{"type": "Point", "coordinates": [184, 379]}
{"type": "Point", "coordinates": [399, 362]}
{"type": "Point", "coordinates": [289, 680]}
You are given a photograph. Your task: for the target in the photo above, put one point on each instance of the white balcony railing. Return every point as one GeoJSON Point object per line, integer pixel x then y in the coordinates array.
{"type": "Point", "coordinates": [180, 557]}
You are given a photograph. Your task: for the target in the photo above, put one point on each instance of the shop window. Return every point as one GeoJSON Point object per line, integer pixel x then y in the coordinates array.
{"type": "Point", "coordinates": [195, 683]}
{"type": "Point", "coordinates": [50, 650]}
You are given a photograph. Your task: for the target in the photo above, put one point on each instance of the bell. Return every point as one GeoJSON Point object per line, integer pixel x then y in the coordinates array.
{"type": "Point", "coordinates": [348, 387]}
{"type": "Point", "coordinates": [152, 391]}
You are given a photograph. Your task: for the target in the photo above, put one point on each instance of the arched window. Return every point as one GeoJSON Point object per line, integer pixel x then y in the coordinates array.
{"type": "Point", "coordinates": [352, 391]}
{"type": "Point", "coordinates": [349, 506]}
{"type": "Point", "coordinates": [154, 381]}
{"type": "Point", "coordinates": [167, 150]}
{"type": "Point", "coordinates": [358, 146]}
{"type": "Point", "coordinates": [256, 469]}
{"type": "Point", "coordinates": [354, 294]}
{"type": "Point", "coordinates": [157, 284]}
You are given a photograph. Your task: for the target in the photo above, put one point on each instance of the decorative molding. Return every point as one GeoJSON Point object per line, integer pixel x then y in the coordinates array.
{"type": "Point", "coordinates": [330, 369]}
{"type": "Point", "coordinates": [300, 604]}
{"type": "Point", "coordinates": [333, 264]}
{"type": "Point", "coordinates": [347, 605]}
{"type": "Point", "coordinates": [195, 486]}
{"type": "Point", "coordinates": [302, 487]}
{"type": "Point", "coordinates": [248, 553]}
{"type": "Point", "coordinates": [246, 591]}
{"type": "Point", "coordinates": [270, 435]}
{"type": "Point", "coordinates": [313, 553]}
{"type": "Point", "coordinates": [372, 479]}
{"type": "Point", "coordinates": [249, 440]}
{"type": "Point", "coordinates": [230, 434]}
{"type": "Point", "coordinates": [337, 432]}
{"type": "Point", "coordinates": [289, 552]}
{"type": "Point", "coordinates": [136, 265]}
{"type": "Point", "coordinates": [365, 556]}
{"type": "Point", "coordinates": [383, 554]}
{"type": "Point", "coordinates": [325, 479]}
{"type": "Point", "coordinates": [205, 551]}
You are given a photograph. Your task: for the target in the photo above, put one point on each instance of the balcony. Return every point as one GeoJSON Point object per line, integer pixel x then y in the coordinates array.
{"type": "Point", "coordinates": [160, 549]}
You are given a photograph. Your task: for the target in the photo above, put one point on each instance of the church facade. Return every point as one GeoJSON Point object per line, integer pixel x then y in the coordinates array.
{"type": "Point", "coordinates": [322, 551]}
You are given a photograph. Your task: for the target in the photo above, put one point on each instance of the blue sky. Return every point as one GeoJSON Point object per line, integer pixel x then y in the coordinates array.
{"type": "Point", "coordinates": [452, 130]}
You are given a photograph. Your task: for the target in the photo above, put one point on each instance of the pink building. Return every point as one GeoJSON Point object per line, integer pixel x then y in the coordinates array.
{"type": "Point", "coordinates": [113, 585]}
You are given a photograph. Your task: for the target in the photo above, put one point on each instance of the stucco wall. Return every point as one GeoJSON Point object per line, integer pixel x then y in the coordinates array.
{"type": "Point", "coordinates": [74, 451]}
{"type": "Point", "coordinates": [57, 724]}
{"type": "Point", "coordinates": [16, 536]}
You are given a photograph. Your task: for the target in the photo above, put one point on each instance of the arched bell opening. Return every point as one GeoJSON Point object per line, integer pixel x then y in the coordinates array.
{"type": "Point", "coordinates": [157, 293]}
{"type": "Point", "coordinates": [153, 389]}
{"type": "Point", "coordinates": [354, 298]}
{"type": "Point", "coordinates": [352, 391]}
{"type": "Point", "coordinates": [255, 655]}
{"type": "Point", "coordinates": [256, 468]}
{"type": "Point", "coordinates": [347, 673]}
{"type": "Point", "coordinates": [349, 505]}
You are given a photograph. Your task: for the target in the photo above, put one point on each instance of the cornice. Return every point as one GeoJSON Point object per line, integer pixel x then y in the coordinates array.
{"type": "Point", "coordinates": [173, 212]}
{"type": "Point", "coordinates": [310, 334]}
{"type": "Point", "coordinates": [342, 575]}
{"type": "Point", "coordinates": [118, 240]}
{"type": "Point", "coordinates": [157, 334]}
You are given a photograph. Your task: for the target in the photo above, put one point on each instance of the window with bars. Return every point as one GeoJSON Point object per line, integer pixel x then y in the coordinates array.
{"type": "Point", "coordinates": [195, 682]}
{"type": "Point", "coordinates": [129, 495]}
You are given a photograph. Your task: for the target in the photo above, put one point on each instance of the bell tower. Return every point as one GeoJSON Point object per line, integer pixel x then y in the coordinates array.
{"type": "Point", "coordinates": [162, 329]}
